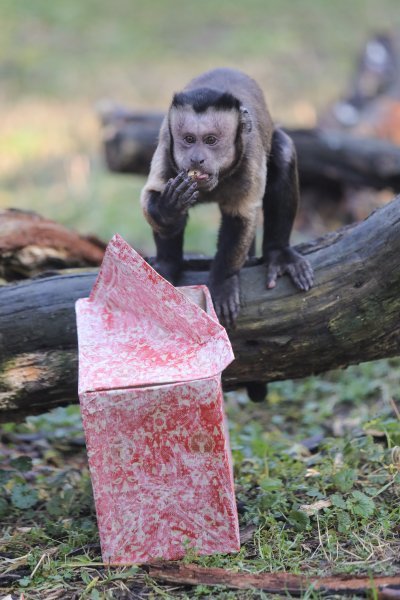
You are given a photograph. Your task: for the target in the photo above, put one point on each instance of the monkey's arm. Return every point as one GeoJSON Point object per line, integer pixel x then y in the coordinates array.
{"type": "Point", "coordinates": [280, 206]}
{"type": "Point", "coordinates": [234, 240]}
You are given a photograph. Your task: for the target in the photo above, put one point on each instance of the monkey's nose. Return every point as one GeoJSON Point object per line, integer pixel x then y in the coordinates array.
{"type": "Point", "coordinates": [197, 162]}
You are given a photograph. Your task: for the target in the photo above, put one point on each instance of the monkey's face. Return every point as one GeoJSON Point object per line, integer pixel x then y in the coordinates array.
{"type": "Point", "coordinates": [204, 142]}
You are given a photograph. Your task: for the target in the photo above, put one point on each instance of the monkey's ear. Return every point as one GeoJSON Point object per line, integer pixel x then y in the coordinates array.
{"type": "Point", "coordinates": [245, 120]}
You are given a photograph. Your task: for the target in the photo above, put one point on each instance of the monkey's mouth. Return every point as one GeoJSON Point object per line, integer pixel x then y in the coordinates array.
{"type": "Point", "coordinates": [205, 181]}
{"type": "Point", "coordinates": [198, 175]}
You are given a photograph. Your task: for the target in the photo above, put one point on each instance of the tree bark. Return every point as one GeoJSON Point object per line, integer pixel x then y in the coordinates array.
{"type": "Point", "coordinates": [349, 316]}
{"type": "Point", "coordinates": [324, 157]}
{"type": "Point", "coordinates": [129, 138]}
{"type": "Point", "coordinates": [31, 245]}
{"type": "Point", "coordinates": [332, 157]}
{"type": "Point", "coordinates": [274, 583]}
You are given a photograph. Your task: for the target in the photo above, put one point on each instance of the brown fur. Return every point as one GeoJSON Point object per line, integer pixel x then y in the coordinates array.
{"type": "Point", "coordinates": [243, 191]}
{"type": "Point", "coordinates": [219, 127]}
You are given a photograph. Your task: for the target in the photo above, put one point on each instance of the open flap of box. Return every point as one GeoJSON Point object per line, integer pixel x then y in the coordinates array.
{"type": "Point", "coordinates": [137, 329]}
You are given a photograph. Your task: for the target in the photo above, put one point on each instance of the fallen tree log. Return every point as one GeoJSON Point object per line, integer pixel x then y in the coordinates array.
{"type": "Point", "coordinates": [324, 157]}
{"type": "Point", "coordinates": [129, 138]}
{"type": "Point", "coordinates": [31, 245]}
{"type": "Point", "coordinates": [349, 316]}
{"type": "Point", "coordinates": [332, 157]}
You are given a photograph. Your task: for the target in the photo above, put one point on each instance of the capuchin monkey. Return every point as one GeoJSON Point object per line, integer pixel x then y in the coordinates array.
{"type": "Point", "coordinates": [219, 144]}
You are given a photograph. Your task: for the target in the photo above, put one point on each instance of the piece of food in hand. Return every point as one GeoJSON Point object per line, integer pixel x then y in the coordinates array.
{"type": "Point", "coordinates": [197, 175]}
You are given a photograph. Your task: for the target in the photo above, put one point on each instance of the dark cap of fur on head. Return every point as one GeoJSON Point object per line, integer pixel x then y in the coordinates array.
{"type": "Point", "coordinates": [203, 98]}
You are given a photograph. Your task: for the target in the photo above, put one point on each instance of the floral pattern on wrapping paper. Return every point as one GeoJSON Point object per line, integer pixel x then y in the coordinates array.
{"type": "Point", "coordinates": [137, 329]}
{"type": "Point", "coordinates": [161, 473]}
{"type": "Point", "coordinates": [149, 386]}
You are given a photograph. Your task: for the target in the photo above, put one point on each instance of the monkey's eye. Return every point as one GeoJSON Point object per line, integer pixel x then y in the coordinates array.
{"type": "Point", "coordinates": [210, 140]}
{"type": "Point", "coordinates": [189, 139]}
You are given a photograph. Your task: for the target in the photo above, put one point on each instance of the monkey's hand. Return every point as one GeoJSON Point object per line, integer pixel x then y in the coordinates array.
{"type": "Point", "coordinates": [178, 196]}
{"type": "Point", "coordinates": [226, 298]}
{"type": "Point", "coordinates": [287, 260]}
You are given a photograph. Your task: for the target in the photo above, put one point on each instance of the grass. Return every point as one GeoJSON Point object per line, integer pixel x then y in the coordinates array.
{"type": "Point", "coordinates": [333, 439]}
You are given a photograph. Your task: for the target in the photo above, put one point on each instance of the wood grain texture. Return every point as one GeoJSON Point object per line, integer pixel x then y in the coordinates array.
{"type": "Point", "coordinates": [272, 582]}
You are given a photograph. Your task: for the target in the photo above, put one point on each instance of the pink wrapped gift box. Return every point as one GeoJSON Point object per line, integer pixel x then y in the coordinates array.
{"type": "Point", "coordinates": [150, 362]}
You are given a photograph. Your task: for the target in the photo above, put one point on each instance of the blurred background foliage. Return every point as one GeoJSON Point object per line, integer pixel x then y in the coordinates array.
{"type": "Point", "coordinates": [58, 59]}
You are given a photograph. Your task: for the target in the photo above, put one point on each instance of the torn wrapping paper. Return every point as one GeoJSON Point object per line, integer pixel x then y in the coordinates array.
{"type": "Point", "coordinates": [150, 363]}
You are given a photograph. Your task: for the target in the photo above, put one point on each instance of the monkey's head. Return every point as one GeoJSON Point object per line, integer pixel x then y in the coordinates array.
{"type": "Point", "coordinates": [207, 130]}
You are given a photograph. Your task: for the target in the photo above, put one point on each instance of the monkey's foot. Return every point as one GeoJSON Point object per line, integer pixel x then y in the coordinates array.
{"type": "Point", "coordinates": [256, 390]}
{"type": "Point", "coordinates": [226, 298]}
{"type": "Point", "coordinates": [170, 271]}
{"type": "Point", "coordinates": [287, 260]}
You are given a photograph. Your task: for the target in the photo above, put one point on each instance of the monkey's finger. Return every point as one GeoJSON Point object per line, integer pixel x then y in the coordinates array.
{"type": "Point", "coordinates": [219, 312]}
{"type": "Point", "coordinates": [234, 306]}
{"type": "Point", "coordinates": [180, 177]}
{"type": "Point", "coordinates": [168, 187]}
{"type": "Point", "coordinates": [301, 273]}
{"type": "Point", "coordinates": [168, 193]}
{"type": "Point", "coordinates": [309, 274]}
{"type": "Point", "coordinates": [228, 319]}
{"type": "Point", "coordinates": [272, 275]}
{"type": "Point", "coordinates": [222, 310]}
{"type": "Point", "coordinates": [305, 280]}
{"type": "Point", "coordinates": [191, 200]}
{"type": "Point", "coordinates": [174, 190]}
{"type": "Point", "coordinates": [295, 273]}
{"type": "Point", "coordinates": [301, 282]}
{"type": "Point", "coordinates": [174, 186]}
{"type": "Point", "coordinates": [236, 296]}
{"type": "Point", "coordinates": [184, 185]}
{"type": "Point", "coordinates": [187, 196]}
{"type": "Point", "coordinates": [181, 189]}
